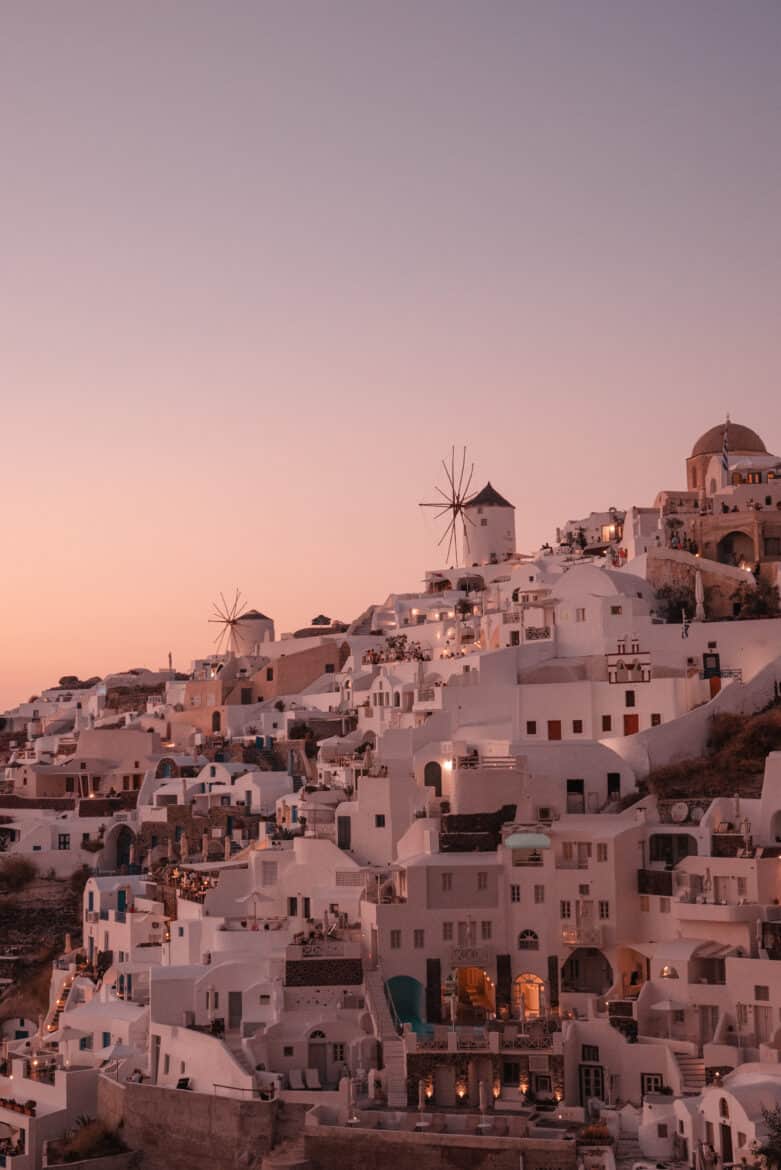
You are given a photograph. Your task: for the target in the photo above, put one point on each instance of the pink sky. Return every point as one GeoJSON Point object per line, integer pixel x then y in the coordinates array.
{"type": "Point", "coordinates": [264, 263]}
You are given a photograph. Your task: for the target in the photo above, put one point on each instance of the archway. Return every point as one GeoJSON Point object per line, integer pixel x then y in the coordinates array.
{"type": "Point", "coordinates": [432, 776]}
{"type": "Point", "coordinates": [409, 998]}
{"type": "Point", "coordinates": [216, 721]}
{"type": "Point", "coordinates": [117, 848]}
{"type": "Point", "coordinates": [528, 996]}
{"type": "Point", "coordinates": [736, 548]}
{"type": "Point", "coordinates": [587, 970]}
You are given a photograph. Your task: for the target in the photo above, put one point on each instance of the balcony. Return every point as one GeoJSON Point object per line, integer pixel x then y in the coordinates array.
{"type": "Point", "coordinates": [585, 934]}
{"type": "Point", "coordinates": [697, 909]}
{"type": "Point", "coordinates": [470, 955]}
{"type": "Point", "coordinates": [537, 633]}
{"type": "Point", "coordinates": [655, 881]}
{"type": "Point", "coordinates": [571, 863]}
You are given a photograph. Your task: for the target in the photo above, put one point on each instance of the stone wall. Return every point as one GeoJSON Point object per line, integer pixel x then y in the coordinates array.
{"type": "Point", "coordinates": [335, 1148]}
{"type": "Point", "coordinates": [178, 1130]}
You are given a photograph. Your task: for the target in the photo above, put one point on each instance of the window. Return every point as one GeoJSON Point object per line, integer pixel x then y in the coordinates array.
{"type": "Point", "coordinates": [418, 939]}
{"type": "Point", "coordinates": [644, 902]}
{"type": "Point", "coordinates": [607, 723]}
{"type": "Point", "coordinates": [661, 1130]}
{"type": "Point", "coordinates": [379, 821]}
{"type": "Point", "coordinates": [338, 1053]}
{"type": "Point", "coordinates": [531, 727]}
{"type": "Point", "coordinates": [447, 931]}
{"type": "Point", "coordinates": [330, 668]}
{"type": "Point", "coordinates": [395, 940]}
{"type": "Point", "coordinates": [656, 719]}
{"type": "Point", "coordinates": [264, 998]}
{"type": "Point", "coordinates": [565, 909]}
{"type": "Point", "coordinates": [180, 931]}
{"type": "Point", "coordinates": [589, 1054]}
{"type": "Point", "coordinates": [616, 610]}
{"type": "Point", "coordinates": [269, 674]}
{"type": "Point", "coordinates": [762, 993]}
{"type": "Point", "coordinates": [246, 696]}
{"type": "Point", "coordinates": [629, 698]}
{"type": "Point", "coordinates": [539, 894]}
{"type": "Point", "coordinates": [577, 726]}
{"type": "Point", "coordinates": [63, 841]}
{"type": "Point", "coordinates": [287, 1050]}
{"type": "Point", "coordinates": [664, 905]}
{"type": "Point", "coordinates": [485, 931]}
{"type": "Point", "coordinates": [601, 851]}
{"type": "Point", "coordinates": [580, 615]}
{"type": "Point", "coordinates": [106, 1041]}
{"type": "Point", "coordinates": [482, 880]}
{"type": "Point", "coordinates": [166, 1063]}
{"type": "Point", "coordinates": [447, 883]}
{"type": "Point", "coordinates": [292, 907]}
{"type": "Point", "coordinates": [604, 910]}
{"type": "Point", "coordinates": [742, 887]}
{"type": "Point", "coordinates": [528, 940]}
{"type": "Point", "coordinates": [515, 893]}
{"type": "Point", "coordinates": [515, 640]}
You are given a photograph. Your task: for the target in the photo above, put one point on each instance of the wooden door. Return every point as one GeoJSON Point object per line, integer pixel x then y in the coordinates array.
{"type": "Point", "coordinates": [631, 724]}
{"type": "Point", "coordinates": [554, 729]}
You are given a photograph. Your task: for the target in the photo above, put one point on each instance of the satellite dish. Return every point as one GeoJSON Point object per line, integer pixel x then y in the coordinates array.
{"type": "Point", "coordinates": [697, 814]}
{"type": "Point", "coordinates": [679, 812]}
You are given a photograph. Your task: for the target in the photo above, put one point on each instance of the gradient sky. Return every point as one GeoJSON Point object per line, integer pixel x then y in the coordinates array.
{"type": "Point", "coordinates": [262, 263]}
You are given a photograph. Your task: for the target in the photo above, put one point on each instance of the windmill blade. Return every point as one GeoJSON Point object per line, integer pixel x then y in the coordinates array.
{"type": "Point", "coordinates": [440, 514]}
{"type": "Point", "coordinates": [461, 475]}
{"type": "Point", "coordinates": [446, 533]}
{"type": "Point", "coordinates": [444, 495]}
{"type": "Point", "coordinates": [449, 478]}
{"type": "Point", "coordinates": [469, 483]}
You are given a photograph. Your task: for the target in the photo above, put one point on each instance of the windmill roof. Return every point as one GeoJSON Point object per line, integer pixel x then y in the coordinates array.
{"type": "Point", "coordinates": [253, 615]}
{"type": "Point", "coordinates": [490, 498]}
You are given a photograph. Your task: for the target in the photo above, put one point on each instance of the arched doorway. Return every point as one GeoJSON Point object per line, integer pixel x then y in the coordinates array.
{"type": "Point", "coordinates": [432, 776]}
{"type": "Point", "coordinates": [318, 1054]}
{"type": "Point", "coordinates": [216, 721]}
{"type": "Point", "coordinates": [587, 970]}
{"type": "Point", "coordinates": [736, 548]}
{"type": "Point", "coordinates": [409, 998]}
{"type": "Point", "coordinates": [528, 996]}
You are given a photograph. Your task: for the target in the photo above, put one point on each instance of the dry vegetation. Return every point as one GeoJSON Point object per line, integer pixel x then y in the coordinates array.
{"type": "Point", "coordinates": [734, 763]}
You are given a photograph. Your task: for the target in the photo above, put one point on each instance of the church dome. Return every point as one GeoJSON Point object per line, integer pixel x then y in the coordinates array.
{"type": "Point", "coordinates": [740, 439]}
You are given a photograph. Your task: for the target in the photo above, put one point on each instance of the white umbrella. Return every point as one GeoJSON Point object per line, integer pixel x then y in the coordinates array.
{"type": "Point", "coordinates": [699, 597]}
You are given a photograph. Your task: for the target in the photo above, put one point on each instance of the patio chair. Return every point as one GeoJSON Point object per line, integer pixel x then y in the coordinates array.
{"type": "Point", "coordinates": [312, 1078]}
{"type": "Point", "coordinates": [296, 1079]}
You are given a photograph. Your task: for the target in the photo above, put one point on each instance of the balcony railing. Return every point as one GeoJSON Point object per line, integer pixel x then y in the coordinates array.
{"type": "Point", "coordinates": [582, 935]}
{"type": "Point", "coordinates": [536, 633]}
{"type": "Point", "coordinates": [655, 881]}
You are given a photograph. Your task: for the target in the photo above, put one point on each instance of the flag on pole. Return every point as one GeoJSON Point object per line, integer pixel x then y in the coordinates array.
{"type": "Point", "coordinates": [725, 448]}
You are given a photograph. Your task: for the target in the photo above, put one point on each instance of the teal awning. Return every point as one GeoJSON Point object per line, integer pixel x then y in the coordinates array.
{"type": "Point", "coordinates": [527, 841]}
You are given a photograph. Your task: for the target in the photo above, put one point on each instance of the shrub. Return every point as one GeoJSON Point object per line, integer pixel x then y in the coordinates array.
{"type": "Point", "coordinates": [673, 600]}
{"type": "Point", "coordinates": [16, 873]}
{"type": "Point", "coordinates": [760, 601]}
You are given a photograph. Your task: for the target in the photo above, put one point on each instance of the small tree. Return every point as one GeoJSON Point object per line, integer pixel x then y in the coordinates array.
{"type": "Point", "coordinates": [770, 1149]}
{"type": "Point", "coordinates": [674, 600]}
{"type": "Point", "coordinates": [759, 601]}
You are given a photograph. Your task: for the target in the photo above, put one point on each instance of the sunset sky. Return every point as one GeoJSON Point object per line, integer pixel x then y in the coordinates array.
{"type": "Point", "coordinates": [263, 263]}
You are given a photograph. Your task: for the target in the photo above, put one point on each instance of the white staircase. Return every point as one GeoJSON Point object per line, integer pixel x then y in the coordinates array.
{"type": "Point", "coordinates": [393, 1053]}
{"type": "Point", "coordinates": [692, 1069]}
